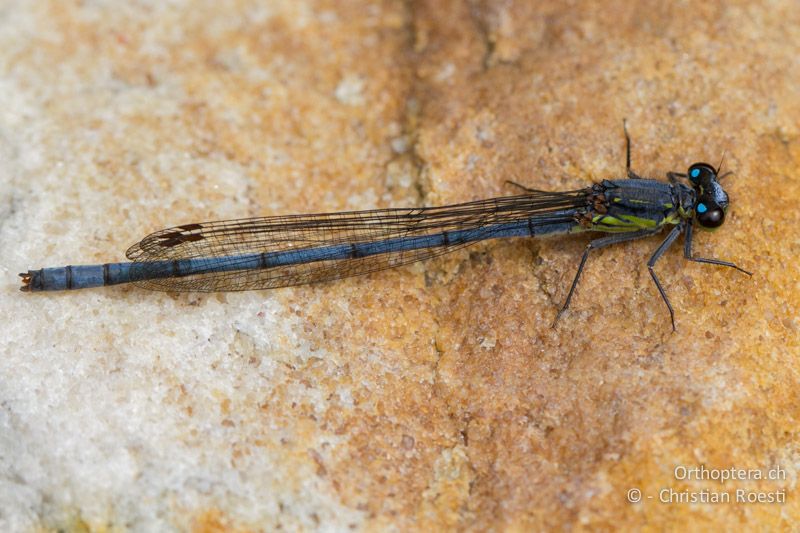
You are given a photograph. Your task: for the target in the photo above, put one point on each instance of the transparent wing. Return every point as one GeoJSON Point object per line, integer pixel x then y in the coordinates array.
{"type": "Point", "coordinates": [235, 238]}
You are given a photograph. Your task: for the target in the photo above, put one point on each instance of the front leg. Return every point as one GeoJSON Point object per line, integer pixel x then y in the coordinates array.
{"type": "Point", "coordinates": [687, 253]}
{"type": "Point", "coordinates": [673, 177]}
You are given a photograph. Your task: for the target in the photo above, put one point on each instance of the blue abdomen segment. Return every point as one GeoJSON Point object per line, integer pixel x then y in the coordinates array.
{"type": "Point", "coordinates": [78, 277]}
{"type": "Point", "coordinates": [87, 276]}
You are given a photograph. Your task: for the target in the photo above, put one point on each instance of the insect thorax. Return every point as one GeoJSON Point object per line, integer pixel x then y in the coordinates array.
{"type": "Point", "coordinates": [632, 205]}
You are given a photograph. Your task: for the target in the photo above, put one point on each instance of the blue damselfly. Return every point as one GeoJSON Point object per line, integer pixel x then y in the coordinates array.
{"type": "Point", "coordinates": [281, 251]}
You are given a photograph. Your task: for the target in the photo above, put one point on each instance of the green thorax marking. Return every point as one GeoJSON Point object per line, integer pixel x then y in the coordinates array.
{"type": "Point", "coordinates": [632, 205]}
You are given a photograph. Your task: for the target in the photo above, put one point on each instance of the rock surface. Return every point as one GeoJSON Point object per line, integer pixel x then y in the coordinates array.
{"type": "Point", "coordinates": [431, 396]}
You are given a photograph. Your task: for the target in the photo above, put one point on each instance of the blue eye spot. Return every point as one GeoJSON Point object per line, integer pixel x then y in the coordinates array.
{"type": "Point", "coordinates": [695, 173]}
{"type": "Point", "coordinates": [701, 208]}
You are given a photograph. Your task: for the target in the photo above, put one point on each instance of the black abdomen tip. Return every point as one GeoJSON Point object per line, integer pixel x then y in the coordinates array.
{"type": "Point", "coordinates": [26, 281]}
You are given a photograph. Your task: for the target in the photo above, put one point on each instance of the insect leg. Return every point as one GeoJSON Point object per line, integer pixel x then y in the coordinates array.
{"type": "Point", "coordinates": [631, 174]}
{"type": "Point", "coordinates": [676, 231]}
{"type": "Point", "coordinates": [673, 177]}
{"type": "Point", "coordinates": [524, 188]}
{"type": "Point", "coordinates": [594, 245]}
{"type": "Point", "coordinates": [687, 253]}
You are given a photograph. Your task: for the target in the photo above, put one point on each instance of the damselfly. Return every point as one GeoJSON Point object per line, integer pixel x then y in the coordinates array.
{"type": "Point", "coordinates": [282, 251]}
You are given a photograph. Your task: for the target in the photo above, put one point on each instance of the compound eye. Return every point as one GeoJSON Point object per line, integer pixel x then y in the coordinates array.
{"type": "Point", "coordinates": [701, 173]}
{"type": "Point", "coordinates": [710, 214]}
